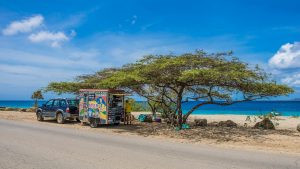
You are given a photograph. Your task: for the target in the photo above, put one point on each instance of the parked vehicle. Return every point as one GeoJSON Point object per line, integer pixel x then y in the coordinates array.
{"type": "Point", "coordinates": [59, 109]}
{"type": "Point", "coordinates": [101, 106]}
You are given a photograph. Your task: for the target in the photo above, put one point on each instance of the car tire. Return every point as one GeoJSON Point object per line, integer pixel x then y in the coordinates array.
{"type": "Point", "coordinates": [116, 124]}
{"type": "Point", "coordinates": [60, 118]}
{"type": "Point", "coordinates": [93, 123]}
{"type": "Point", "coordinates": [39, 116]}
{"type": "Point", "coordinates": [77, 119]}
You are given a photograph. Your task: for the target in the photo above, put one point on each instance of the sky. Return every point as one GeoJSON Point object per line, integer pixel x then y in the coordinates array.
{"type": "Point", "coordinates": [44, 41]}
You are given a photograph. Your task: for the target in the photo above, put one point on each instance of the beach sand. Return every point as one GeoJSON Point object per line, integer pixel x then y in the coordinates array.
{"type": "Point", "coordinates": [284, 122]}
{"type": "Point", "coordinates": [288, 123]}
{"type": "Point", "coordinates": [285, 139]}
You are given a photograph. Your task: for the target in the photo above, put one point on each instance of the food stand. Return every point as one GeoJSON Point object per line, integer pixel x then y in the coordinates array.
{"type": "Point", "coordinates": [101, 106]}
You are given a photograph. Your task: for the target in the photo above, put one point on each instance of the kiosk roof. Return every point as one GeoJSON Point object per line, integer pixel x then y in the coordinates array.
{"type": "Point", "coordinates": [101, 90]}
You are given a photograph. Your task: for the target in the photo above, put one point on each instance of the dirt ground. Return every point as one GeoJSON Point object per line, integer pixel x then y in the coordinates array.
{"type": "Point", "coordinates": [280, 140]}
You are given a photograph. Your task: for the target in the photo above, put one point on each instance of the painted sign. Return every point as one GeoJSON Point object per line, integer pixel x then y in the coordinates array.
{"type": "Point", "coordinates": [94, 105]}
{"type": "Point", "coordinates": [82, 106]}
{"type": "Point", "coordinates": [95, 108]}
{"type": "Point", "coordinates": [102, 105]}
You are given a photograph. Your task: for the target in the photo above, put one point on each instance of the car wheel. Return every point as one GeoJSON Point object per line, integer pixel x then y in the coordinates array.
{"type": "Point", "coordinates": [116, 124]}
{"type": "Point", "coordinates": [60, 118]}
{"type": "Point", "coordinates": [39, 116]}
{"type": "Point", "coordinates": [93, 123]}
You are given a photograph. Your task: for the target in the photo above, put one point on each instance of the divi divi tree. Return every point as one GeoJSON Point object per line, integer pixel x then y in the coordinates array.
{"type": "Point", "coordinates": [171, 80]}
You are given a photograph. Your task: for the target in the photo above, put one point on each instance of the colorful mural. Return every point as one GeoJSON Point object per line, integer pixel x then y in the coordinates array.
{"type": "Point", "coordinates": [94, 104]}
{"type": "Point", "coordinates": [93, 109]}
{"type": "Point", "coordinates": [82, 106]}
{"type": "Point", "coordinates": [96, 108]}
{"type": "Point", "coordinates": [102, 107]}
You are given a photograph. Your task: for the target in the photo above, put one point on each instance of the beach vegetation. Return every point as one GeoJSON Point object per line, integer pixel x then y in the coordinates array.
{"type": "Point", "coordinates": [140, 107]}
{"type": "Point", "coordinates": [11, 109]}
{"type": "Point", "coordinates": [271, 116]}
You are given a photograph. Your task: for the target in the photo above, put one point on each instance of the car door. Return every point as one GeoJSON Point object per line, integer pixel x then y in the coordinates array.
{"type": "Point", "coordinates": [55, 107]}
{"type": "Point", "coordinates": [63, 105]}
{"type": "Point", "coordinates": [47, 108]}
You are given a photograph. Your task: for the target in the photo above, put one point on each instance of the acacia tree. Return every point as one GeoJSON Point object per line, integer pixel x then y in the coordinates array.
{"type": "Point", "coordinates": [212, 78]}
{"type": "Point", "coordinates": [37, 95]}
{"type": "Point", "coordinates": [172, 80]}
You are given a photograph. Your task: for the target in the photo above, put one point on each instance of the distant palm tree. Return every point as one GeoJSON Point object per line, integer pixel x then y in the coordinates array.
{"type": "Point", "coordinates": [37, 95]}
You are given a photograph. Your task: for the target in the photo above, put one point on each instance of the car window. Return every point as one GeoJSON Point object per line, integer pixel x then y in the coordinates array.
{"type": "Point", "coordinates": [63, 103]}
{"type": "Point", "coordinates": [73, 102]}
{"type": "Point", "coordinates": [56, 103]}
{"type": "Point", "coordinates": [49, 103]}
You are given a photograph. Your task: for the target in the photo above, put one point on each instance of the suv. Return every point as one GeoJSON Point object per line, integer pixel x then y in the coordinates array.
{"type": "Point", "coordinates": [59, 109]}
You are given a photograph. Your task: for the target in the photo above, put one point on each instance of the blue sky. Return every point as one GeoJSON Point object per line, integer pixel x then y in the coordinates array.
{"type": "Point", "coordinates": [43, 41]}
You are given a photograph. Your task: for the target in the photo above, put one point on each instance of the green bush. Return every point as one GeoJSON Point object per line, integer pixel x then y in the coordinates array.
{"type": "Point", "coordinates": [22, 110]}
{"type": "Point", "coordinates": [32, 109]}
{"type": "Point", "coordinates": [140, 106]}
{"type": "Point", "coordinates": [11, 109]}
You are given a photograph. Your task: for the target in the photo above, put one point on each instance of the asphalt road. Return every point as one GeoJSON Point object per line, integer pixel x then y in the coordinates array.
{"type": "Point", "coordinates": [24, 145]}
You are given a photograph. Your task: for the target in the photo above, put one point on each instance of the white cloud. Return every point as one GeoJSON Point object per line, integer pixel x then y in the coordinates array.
{"type": "Point", "coordinates": [23, 26]}
{"type": "Point", "coordinates": [55, 44]}
{"type": "Point", "coordinates": [48, 36]}
{"type": "Point", "coordinates": [293, 79]}
{"type": "Point", "coordinates": [285, 64]}
{"type": "Point", "coordinates": [288, 56]}
{"type": "Point", "coordinates": [67, 59]}
{"type": "Point", "coordinates": [55, 39]}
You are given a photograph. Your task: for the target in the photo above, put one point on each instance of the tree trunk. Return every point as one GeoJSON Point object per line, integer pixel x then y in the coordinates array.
{"type": "Point", "coordinates": [185, 117]}
{"type": "Point", "coordinates": [153, 109]}
{"type": "Point", "coordinates": [172, 119]}
{"type": "Point", "coordinates": [180, 118]}
{"type": "Point", "coordinates": [179, 107]}
{"type": "Point", "coordinates": [35, 103]}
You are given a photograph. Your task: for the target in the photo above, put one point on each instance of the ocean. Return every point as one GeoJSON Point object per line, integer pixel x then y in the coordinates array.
{"type": "Point", "coordinates": [19, 103]}
{"type": "Point", "coordinates": [286, 108]}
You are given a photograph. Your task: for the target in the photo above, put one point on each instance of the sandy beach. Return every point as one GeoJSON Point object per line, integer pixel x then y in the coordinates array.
{"type": "Point", "coordinates": [288, 123]}
{"type": "Point", "coordinates": [284, 139]}
{"type": "Point", "coordinates": [284, 122]}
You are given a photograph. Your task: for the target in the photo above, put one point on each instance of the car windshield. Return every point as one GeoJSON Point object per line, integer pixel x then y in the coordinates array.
{"type": "Point", "coordinates": [73, 102]}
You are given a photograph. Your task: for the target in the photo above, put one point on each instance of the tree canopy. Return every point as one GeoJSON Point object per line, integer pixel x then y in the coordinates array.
{"type": "Point", "coordinates": [37, 95]}
{"type": "Point", "coordinates": [216, 78]}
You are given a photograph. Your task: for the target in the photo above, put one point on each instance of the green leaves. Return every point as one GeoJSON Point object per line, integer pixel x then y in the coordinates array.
{"type": "Point", "coordinates": [37, 95]}
{"type": "Point", "coordinates": [69, 87]}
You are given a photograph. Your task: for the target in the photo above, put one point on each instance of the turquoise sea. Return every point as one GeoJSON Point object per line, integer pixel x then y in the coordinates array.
{"type": "Point", "coordinates": [286, 108]}
{"type": "Point", "coordinates": [19, 103]}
